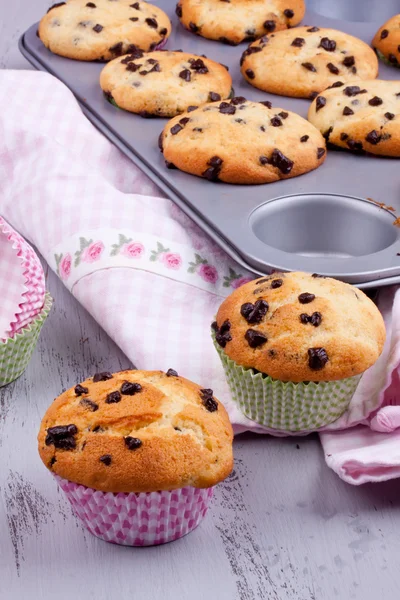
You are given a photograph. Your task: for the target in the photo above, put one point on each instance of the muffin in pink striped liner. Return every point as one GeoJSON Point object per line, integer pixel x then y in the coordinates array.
{"type": "Point", "coordinates": [22, 282]}
{"type": "Point", "coordinates": [137, 454]}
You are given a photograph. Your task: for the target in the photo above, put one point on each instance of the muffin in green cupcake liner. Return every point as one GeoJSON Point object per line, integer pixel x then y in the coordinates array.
{"type": "Point", "coordinates": [287, 406]}
{"type": "Point", "coordinates": [383, 58]}
{"type": "Point", "coordinates": [16, 352]}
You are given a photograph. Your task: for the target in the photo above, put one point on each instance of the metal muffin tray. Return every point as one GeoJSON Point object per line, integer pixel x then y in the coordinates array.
{"type": "Point", "coordinates": [336, 221]}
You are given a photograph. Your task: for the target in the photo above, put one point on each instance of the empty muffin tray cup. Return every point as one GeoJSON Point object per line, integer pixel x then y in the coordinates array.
{"type": "Point", "coordinates": [339, 220]}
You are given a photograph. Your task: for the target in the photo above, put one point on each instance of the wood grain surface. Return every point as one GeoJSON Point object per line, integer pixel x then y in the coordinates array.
{"type": "Point", "coordinates": [282, 527]}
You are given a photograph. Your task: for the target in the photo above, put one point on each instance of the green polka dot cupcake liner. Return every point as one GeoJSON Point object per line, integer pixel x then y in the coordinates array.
{"type": "Point", "coordinates": [286, 406]}
{"type": "Point", "coordinates": [16, 352]}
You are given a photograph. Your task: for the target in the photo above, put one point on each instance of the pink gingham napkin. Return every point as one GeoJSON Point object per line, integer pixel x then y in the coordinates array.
{"type": "Point", "coordinates": [22, 285]}
{"type": "Point", "coordinates": [145, 272]}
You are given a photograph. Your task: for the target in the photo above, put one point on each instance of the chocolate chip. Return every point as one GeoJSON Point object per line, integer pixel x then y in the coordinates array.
{"type": "Point", "coordinates": [134, 53]}
{"type": "Point", "coordinates": [62, 437]}
{"type": "Point", "coordinates": [304, 318]}
{"type": "Point", "coordinates": [254, 313]}
{"type": "Point", "coordinates": [283, 114]}
{"type": "Point", "coordinates": [163, 31]}
{"type": "Point", "coordinates": [375, 101]}
{"type": "Point", "coordinates": [113, 397]}
{"type": "Point", "coordinates": [117, 49]}
{"type": "Point", "coordinates": [214, 326]}
{"type": "Point", "coordinates": [135, 5]}
{"type": "Point", "coordinates": [337, 84]}
{"type": "Point", "coordinates": [172, 372]}
{"type": "Point", "coordinates": [353, 90]}
{"type": "Point", "coordinates": [151, 23]}
{"type": "Point", "coordinates": [327, 44]}
{"type": "Point", "coordinates": [317, 358]}
{"type": "Point", "coordinates": [132, 67]}
{"type": "Point", "coordinates": [208, 400]}
{"type": "Point", "coordinates": [250, 73]}
{"type": "Point", "coordinates": [97, 429]}
{"type": "Point", "coordinates": [373, 137]}
{"type": "Point", "coordinates": [282, 162]}
{"type": "Point", "coordinates": [309, 66]}
{"type": "Point", "coordinates": [198, 66]}
{"type": "Point", "coordinates": [276, 122]}
{"type": "Point", "coordinates": [87, 403]}
{"type": "Point", "coordinates": [185, 75]}
{"type": "Point", "coordinates": [184, 121]}
{"type": "Point", "coordinates": [264, 160]}
{"type": "Point", "coordinates": [276, 283]}
{"type": "Point", "coordinates": [130, 389]}
{"type": "Point", "coordinates": [169, 165]}
{"type": "Point", "coordinates": [320, 152]}
{"type": "Point", "coordinates": [176, 129]}
{"type": "Point", "coordinates": [333, 69]}
{"type": "Point", "coordinates": [353, 145]}
{"type": "Point", "coordinates": [97, 28]}
{"type": "Point", "coordinates": [178, 10]}
{"type": "Point", "coordinates": [102, 376]}
{"type": "Point", "coordinates": [349, 61]}
{"type": "Point", "coordinates": [266, 103]}
{"type": "Point", "coordinates": [227, 41]}
{"type": "Point", "coordinates": [91, 5]}
{"type": "Point", "coordinates": [269, 25]}
{"type": "Point", "coordinates": [288, 12]}
{"type": "Point", "coordinates": [106, 459]}
{"type": "Point", "coordinates": [313, 29]}
{"type": "Point", "coordinates": [255, 338]}
{"type": "Point", "coordinates": [134, 19]}
{"type": "Point", "coordinates": [344, 136]}
{"type": "Point", "coordinates": [320, 103]}
{"type": "Point", "coordinates": [55, 6]}
{"type": "Point", "coordinates": [347, 111]}
{"type": "Point", "coordinates": [193, 27]}
{"type": "Point", "coordinates": [199, 129]}
{"type": "Point", "coordinates": [316, 319]}
{"type": "Point", "coordinates": [52, 461]}
{"type": "Point", "coordinates": [236, 100]}
{"type": "Point", "coordinates": [79, 390]}
{"type": "Point", "coordinates": [191, 108]}
{"type": "Point", "coordinates": [212, 173]}
{"type": "Point", "coordinates": [304, 138]}
{"type": "Point", "coordinates": [227, 109]}
{"type": "Point", "coordinates": [223, 335]}
{"type": "Point", "coordinates": [132, 443]}
{"type": "Point", "coordinates": [214, 97]}
{"type": "Point", "coordinates": [392, 59]}
{"type": "Point", "coordinates": [384, 34]}
{"type": "Point", "coordinates": [389, 116]}
{"type": "Point", "coordinates": [318, 276]}
{"type": "Point", "coordinates": [298, 42]}
{"type": "Point", "coordinates": [306, 298]}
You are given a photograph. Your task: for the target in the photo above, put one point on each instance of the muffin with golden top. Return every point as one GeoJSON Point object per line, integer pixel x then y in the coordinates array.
{"type": "Point", "coordinates": [294, 346]}
{"type": "Point", "coordinates": [141, 438]}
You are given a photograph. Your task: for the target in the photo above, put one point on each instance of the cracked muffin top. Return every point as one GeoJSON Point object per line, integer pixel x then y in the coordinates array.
{"type": "Point", "coordinates": [137, 431]}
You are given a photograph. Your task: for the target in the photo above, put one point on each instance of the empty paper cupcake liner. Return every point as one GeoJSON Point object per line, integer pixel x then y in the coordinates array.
{"type": "Point", "coordinates": [287, 406]}
{"type": "Point", "coordinates": [144, 519]}
{"type": "Point", "coordinates": [16, 352]}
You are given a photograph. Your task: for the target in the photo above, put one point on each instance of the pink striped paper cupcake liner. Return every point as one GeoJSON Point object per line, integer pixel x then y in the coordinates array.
{"type": "Point", "coordinates": [144, 519]}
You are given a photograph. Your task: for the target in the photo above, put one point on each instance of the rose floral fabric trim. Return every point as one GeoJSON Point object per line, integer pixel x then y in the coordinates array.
{"type": "Point", "coordinates": [99, 249]}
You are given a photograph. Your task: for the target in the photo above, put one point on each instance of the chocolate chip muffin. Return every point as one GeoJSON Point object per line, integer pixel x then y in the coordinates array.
{"type": "Point", "coordinates": [304, 61]}
{"type": "Point", "coordinates": [362, 117]}
{"type": "Point", "coordinates": [137, 431]}
{"type": "Point", "coordinates": [294, 346]}
{"type": "Point", "coordinates": [235, 21]}
{"type": "Point", "coordinates": [242, 142]}
{"type": "Point", "coordinates": [387, 42]}
{"type": "Point", "coordinates": [164, 84]}
{"type": "Point", "coordinates": [103, 29]}
{"type": "Point", "coordinates": [137, 453]}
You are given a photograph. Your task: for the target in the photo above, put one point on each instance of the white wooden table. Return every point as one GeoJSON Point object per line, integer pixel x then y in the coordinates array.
{"type": "Point", "coordinates": [282, 527]}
